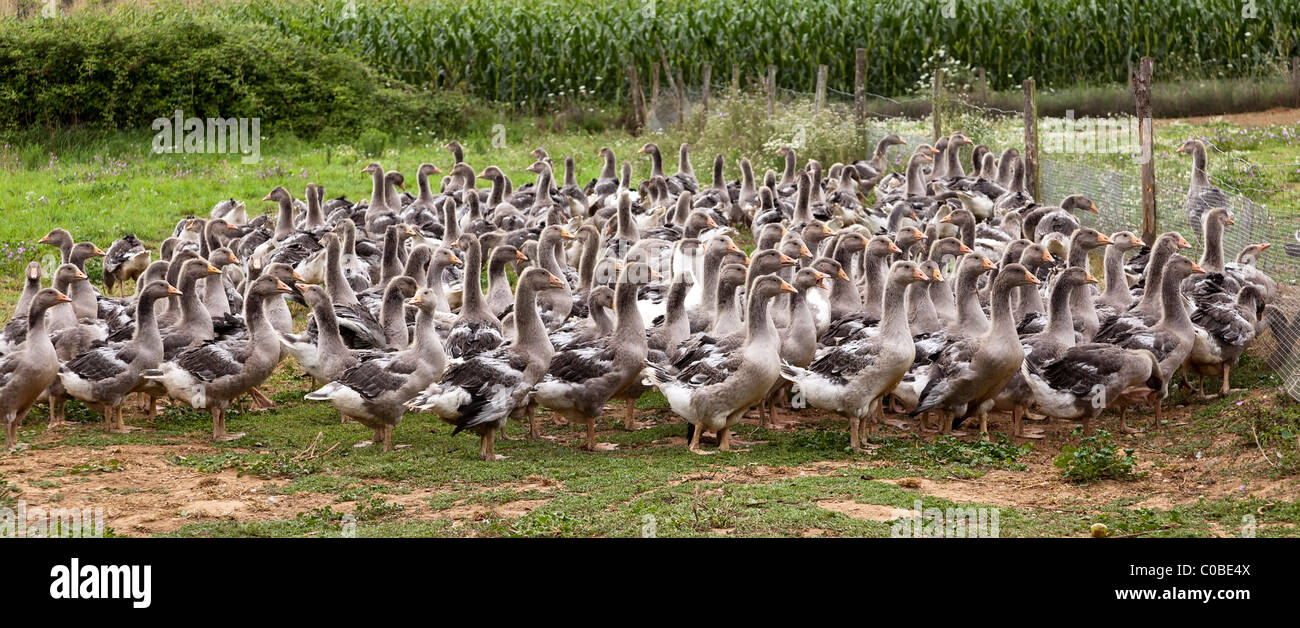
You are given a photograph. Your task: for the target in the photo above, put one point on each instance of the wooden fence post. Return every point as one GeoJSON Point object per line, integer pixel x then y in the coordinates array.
{"type": "Point", "coordinates": [654, 88]}
{"type": "Point", "coordinates": [1031, 140]}
{"type": "Point", "coordinates": [638, 100]}
{"type": "Point", "coordinates": [934, 104]}
{"type": "Point", "coordinates": [860, 86]}
{"type": "Point", "coordinates": [1146, 132]}
{"type": "Point", "coordinates": [771, 90]}
{"type": "Point", "coordinates": [704, 95]}
{"type": "Point", "coordinates": [1295, 79]}
{"type": "Point", "coordinates": [735, 81]}
{"type": "Point", "coordinates": [819, 98]}
{"type": "Point", "coordinates": [984, 87]}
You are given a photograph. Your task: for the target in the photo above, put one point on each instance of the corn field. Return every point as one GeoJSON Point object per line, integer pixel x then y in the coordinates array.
{"type": "Point", "coordinates": [529, 52]}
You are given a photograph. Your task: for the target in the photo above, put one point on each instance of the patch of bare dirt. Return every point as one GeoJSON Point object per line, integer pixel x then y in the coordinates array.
{"type": "Point", "coordinates": [462, 512]}
{"type": "Point", "coordinates": [869, 512]}
{"type": "Point", "coordinates": [148, 494]}
{"type": "Point", "coordinates": [1271, 117]}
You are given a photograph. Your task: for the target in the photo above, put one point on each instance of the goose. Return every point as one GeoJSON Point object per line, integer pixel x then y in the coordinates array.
{"type": "Point", "coordinates": [871, 170]}
{"type": "Point", "coordinates": [555, 305]}
{"type": "Point", "coordinates": [107, 373]}
{"type": "Point", "coordinates": [1201, 194]}
{"type": "Point", "coordinates": [195, 323]}
{"type": "Point", "coordinates": [1244, 271]}
{"type": "Point", "coordinates": [597, 324]}
{"type": "Point", "coordinates": [1172, 337]}
{"type": "Point", "coordinates": [701, 301]}
{"type": "Point", "coordinates": [499, 297]}
{"type": "Point", "coordinates": [1116, 297]}
{"type": "Point", "coordinates": [476, 328]}
{"type": "Point", "coordinates": [1229, 322]}
{"type": "Point", "coordinates": [375, 392]}
{"type": "Point", "coordinates": [605, 187]}
{"type": "Point", "coordinates": [482, 392]}
{"type": "Point", "coordinates": [712, 394]}
{"type": "Point", "coordinates": [851, 379]}
{"type": "Point", "coordinates": [323, 355]}
{"type": "Point", "coordinates": [1044, 346]}
{"type": "Point", "coordinates": [1082, 241]}
{"type": "Point", "coordinates": [582, 378]}
{"type": "Point", "coordinates": [214, 374]}
{"type": "Point", "coordinates": [1148, 309]}
{"type": "Point", "coordinates": [1088, 378]}
{"type": "Point", "coordinates": [231, 211]}
{"type": "Point", "coordinates": [219, 296]}
{"type": "Point", "coordinates": [359, 328]}
{"type": "Point", "coordinates": [28, 371]}
{"type": "Point", "coordinates": [125, 260]}
{"type": "Point", "coordinates": [968, 373]}
{"type": "Point", "coordinates": [1045, 220]}
{"type": "Point", "coordinates": [685, 175]}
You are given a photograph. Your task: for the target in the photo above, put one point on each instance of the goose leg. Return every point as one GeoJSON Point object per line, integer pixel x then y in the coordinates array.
{"type": "Point", "coordinates": [984, 424]}
{"type": "Point", "coordinates": [502, 432]}
{"type": "Point", "coordinates": [11, 435]}
{"type": "Point", "coordinates": [694, 445]}
{"type": "Point", "coordinates": [533, 431]}
{"type": "Point", "coordinates": [384, 436]}
{"type": "Point", "coordinates": [56, 420]}
{"type": "Point", "coordinates": [724, 439]}
{"type": "Point", "coordinates": [945, 424]}
{"type": "Point", "coordinates": [855, 423]}
{"type": "Point", "coordinates": [629, 416]}
{"type": "Point", "coordinates": [591, 434]}
{"type": "Point", "coordinates": [487, 446]}
{"type": "Point", "coordinates": [1226, 387]}
{"type": "Point", "coordinates": [1155, 400]}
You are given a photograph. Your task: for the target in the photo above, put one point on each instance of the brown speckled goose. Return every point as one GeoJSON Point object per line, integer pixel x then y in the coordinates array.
{"type": "Point", "coordinates": [374, 392]}
{"type": "Point", "coordinates": [968, 373]}
{"type": "Point", "coordinates": [214, 374]}
{"type": "Point", "coordinates": [107, 373]}
{"type": "Point", "coordinates": [482, 392]}
{"type": "Point", "coordinates": [581, 379]}
{"type": "Point", "coordinates": [125, 260]}
{"type": "Point", "coordinates": [852, 379]}
{"type": "Point", "coordinates": [712, 394]}
{"type": "Point", "coordinates": [27, 372]}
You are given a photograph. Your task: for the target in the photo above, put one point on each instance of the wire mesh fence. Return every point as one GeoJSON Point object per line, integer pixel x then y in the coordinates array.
{"type": "Point", "coordinates": [1118, 196]}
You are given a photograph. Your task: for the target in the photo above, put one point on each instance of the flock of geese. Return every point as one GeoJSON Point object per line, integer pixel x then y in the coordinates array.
{"type": "Point", "coordinates": [941, 292]}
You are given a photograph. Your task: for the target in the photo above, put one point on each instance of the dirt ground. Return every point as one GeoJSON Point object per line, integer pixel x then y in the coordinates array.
{"type": "Point", "coordinates": [150, 494]}
{"type": "Point", "coordinates": [1270, 117]}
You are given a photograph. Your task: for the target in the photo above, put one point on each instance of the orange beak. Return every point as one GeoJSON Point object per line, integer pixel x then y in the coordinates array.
{"type": "Point", "coordinates": [1031, 278]}
{"type": "Point", "coordinates": [919, 275]}
{"type": "Point", "coordinates": [785, 287]}
{"type": "Point", "coordinates": [937, 275]}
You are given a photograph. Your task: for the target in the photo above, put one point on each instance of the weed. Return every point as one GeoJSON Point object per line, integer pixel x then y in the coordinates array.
{"type": "Point", "coordinates": [1095, 458]}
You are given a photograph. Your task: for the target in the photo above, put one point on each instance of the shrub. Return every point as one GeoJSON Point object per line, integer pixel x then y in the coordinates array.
{"type": "Point", "coordinates": [124, 69]}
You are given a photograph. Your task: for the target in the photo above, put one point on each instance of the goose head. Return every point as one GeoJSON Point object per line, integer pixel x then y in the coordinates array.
{"type": "Point", "coordinates": [1125, 240]}
{"type": "Point", "coordinates": [44, 300]}
{"type": "Point", "coordinates": [907, 272]}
